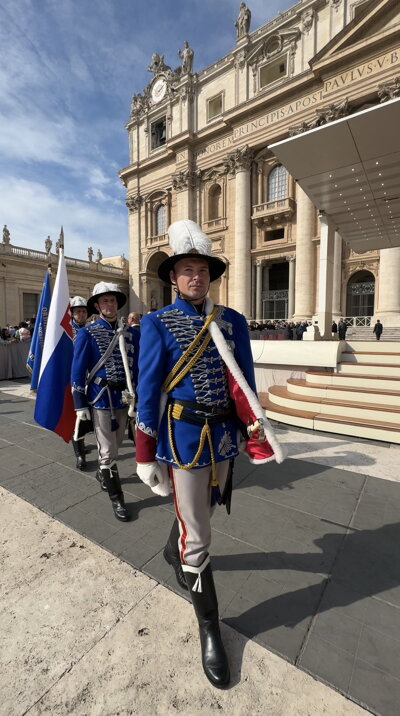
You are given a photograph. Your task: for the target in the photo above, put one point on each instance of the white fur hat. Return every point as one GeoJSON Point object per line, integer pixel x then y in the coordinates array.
{"type": "Point", "coordinates": [187, 239]}
{"type": "Point", "coordinates": [101, 289]}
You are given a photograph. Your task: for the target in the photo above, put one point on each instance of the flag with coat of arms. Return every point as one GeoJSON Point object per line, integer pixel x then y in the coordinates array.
{"type": "Point", "coordinates": [54, 408]}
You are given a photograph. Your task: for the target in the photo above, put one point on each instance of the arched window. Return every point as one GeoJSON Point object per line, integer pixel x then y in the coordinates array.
{"type": "Point", "coordinates": [214, 202]}
{"type": "Point", "coordinates": [277, 183]}
{"type": "Point", "coordinates": [160, 220]}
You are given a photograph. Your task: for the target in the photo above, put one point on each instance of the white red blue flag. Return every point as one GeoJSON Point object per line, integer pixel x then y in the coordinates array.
{"type": "Point", "coordinates": [39, 332]}
{"type": "Point", "coordinates": [54, 408]}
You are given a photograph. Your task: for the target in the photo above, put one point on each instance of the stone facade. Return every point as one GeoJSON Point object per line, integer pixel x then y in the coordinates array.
{"type": "Point", "coordinates": [22, 272]}
{"type": "Point", "coordinates": [198, 148]}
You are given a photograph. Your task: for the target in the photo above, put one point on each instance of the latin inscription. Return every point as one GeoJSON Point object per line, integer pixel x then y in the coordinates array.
{"type": "Point", "coordinates": [316, 98]}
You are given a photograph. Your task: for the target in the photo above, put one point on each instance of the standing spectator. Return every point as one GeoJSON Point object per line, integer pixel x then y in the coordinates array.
{"type": "Point", "coordinates": [342, 329]}
{"type": "Point", "coordinates": [334, 328]}
{"type": "Point", "coordinates": [134, 320]}
{"type": "Point", "coordinates": [23, 334]}
{"type": "Point", "coordinates": [378, 328]}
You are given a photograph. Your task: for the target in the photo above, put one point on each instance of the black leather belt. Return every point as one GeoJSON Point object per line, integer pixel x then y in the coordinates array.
{"type": "Point", "coordinates": [113, 385]}
{"type": "Point", "coordinates": [203, 407]}
{"type": "Point", "coordinates": [214, 414]}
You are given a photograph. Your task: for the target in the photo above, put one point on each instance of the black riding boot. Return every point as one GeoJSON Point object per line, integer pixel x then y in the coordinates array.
{"type": "Point", "coordinates": [110, 478]}
{"type": "Point", "coordinates": [171, 555]}
{"type": "Point", "coordinates": [79, 450]}
{"type": "Point", "coordinates": [204, 599]}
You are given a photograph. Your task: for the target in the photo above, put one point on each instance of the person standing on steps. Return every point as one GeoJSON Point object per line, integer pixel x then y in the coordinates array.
{"type": "Point", "coordinates": [196, 382]}
{"type": "Point", "coordinates": [103, 379]}
{"type": "Point", "coordinates": [378, 328]}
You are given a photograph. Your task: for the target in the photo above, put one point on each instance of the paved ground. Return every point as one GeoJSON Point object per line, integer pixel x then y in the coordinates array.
{"type": "Point", "coordinates": [307, 571]}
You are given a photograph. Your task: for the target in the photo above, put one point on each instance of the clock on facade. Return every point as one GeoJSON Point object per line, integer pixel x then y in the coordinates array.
{"type": "Point", "coordinates": [158, 90]}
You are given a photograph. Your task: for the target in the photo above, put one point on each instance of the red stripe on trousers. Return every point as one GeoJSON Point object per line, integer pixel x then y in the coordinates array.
{"type": "Point", "coordinates": [179, 517]}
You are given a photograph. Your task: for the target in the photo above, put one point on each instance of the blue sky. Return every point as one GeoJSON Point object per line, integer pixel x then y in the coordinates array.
{"type": "Point", "coordinates": [68, 69]}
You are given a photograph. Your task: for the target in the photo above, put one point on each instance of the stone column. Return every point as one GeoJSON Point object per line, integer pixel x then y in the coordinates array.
{"type": "Point", "coordinates": [239, 163]}
{"type": "Point", "coordinates": [304, 282]}
{"type": "Point", "coordinates": [183, 182]}
{"type": "Point", "coordinates": [259, 288]}
{"type": "Point", "coordinates": [134, 203]}
{"type": "Point", "coordinates": [291, 260]}
{"type": "Point", "coordinates": [389, 287]}
{"type": "Point", "coordinates": [326, 256]}
{"type": "Point", "coordinates": [337, 275]}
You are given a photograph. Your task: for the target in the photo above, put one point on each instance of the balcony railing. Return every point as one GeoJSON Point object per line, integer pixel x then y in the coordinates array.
{"type": "Point", "coordinates": [52, 258]}
{"type": "Point", "coordinates": [215, 224]}
{"type": "Point", "coordinates": [357, 321]}
{"type": "Point", "coordinates": [273, 210]}
{"type": "Point", "coordinates": [160, 240]}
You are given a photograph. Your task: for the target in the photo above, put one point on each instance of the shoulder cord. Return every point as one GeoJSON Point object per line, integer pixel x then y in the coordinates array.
{"type": "Point", "coordinates": [205, 433]}
{"type": "Point", "coordinates": [173, 377]}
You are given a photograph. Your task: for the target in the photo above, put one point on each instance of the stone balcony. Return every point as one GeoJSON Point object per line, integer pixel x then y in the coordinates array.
{"type": "Point", "coordinates": [273, 211]}
{"type": "Point", "coordinates": [52, 258]}
{"type": "Point", "coordinates": [160, 240]}
{"type": "Point", "coordinates": [214, 225]}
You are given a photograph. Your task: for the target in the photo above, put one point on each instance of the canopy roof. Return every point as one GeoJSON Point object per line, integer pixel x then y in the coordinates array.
{"type": "Point", "coordinates": [350, 169]}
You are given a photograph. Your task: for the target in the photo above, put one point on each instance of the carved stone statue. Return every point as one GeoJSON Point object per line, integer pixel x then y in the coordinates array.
{"type": "Point", "coordinates": [58, 246]}
{"type": "Point", "coordinates": [90, 253]}
{"type": "Point", "coordinates": [123, 261]}
{"type": "Point", "coordinates": [48, 244]}
{"type": "Point", "coordinates": [6, 235]}
{"type": "Point", "coordinates": [186, 56]}
{"type": "Point", "coordinates": [242, 23]}
{"type": "Point", "coordinates": [99, 256]}
{"type": "Point", "coordinates": [157, 64]}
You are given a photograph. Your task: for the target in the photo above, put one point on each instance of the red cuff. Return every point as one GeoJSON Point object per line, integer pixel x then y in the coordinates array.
{"type": "Point", "coordinates": [145, 447]}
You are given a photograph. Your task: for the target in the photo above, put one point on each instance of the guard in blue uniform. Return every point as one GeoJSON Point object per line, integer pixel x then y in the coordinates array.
{"type": "Point", "coordinates": [103, 379]}
{"type": "Point", "coordinates": [195, 363]}
{"type": "Point", "coordinates": [78, 306]}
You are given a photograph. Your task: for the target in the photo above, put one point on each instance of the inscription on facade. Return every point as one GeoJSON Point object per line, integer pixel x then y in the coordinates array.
{"type": "Point", "coordinates": [289, 110]}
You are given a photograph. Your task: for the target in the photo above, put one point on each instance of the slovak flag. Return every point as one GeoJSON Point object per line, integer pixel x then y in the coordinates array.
{"type": "Point", "coordinates": [54, 408]}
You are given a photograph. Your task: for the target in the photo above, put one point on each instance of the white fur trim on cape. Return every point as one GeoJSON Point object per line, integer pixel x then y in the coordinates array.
{"type": "Point", "coordinates": [230, 362]}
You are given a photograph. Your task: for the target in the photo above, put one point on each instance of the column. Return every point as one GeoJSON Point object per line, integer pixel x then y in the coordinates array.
{"type": "Point", "coordinates": [326, 255]}
{"type": "Point", "coordinates": [134, 204]}
{"type": "Point", "coordinates": [337, 275]}
{"type": "Point", "coordinates": [291, 260]}
{"type": "Point", "coordinates": [183, 182]}
{"type": "Point", "coordinates": [239, 163]}
{"type": "Point", "coordinates": [304, 281]}
{"type": "Point", "coordinates": [259, 288]}
{"type": "Point", "coordinates": [389, 287]}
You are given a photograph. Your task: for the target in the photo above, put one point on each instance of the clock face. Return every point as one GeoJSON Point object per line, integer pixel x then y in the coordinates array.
{"type": "Point", "coordinates": [158, 90]}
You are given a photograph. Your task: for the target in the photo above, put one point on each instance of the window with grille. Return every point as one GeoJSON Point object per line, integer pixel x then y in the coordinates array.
{"type": "Point", "coordinates": [214, 107]}
{"type": "Point", "coordinates": [30, 303]}
{"type": "Point", "coordinates": [277, 183]}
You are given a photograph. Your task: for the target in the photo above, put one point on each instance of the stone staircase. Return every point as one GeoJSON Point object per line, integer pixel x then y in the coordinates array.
{"type": "Point", "coordinates": [361, 398]}
{"type": "Point", "coordinates": [364, 333]}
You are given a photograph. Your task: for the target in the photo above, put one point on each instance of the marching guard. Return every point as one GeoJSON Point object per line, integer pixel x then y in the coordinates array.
{"type": "Point", "coordinates": [78, 306]}
{"type": "Point", "coordinates": [196, 386]}
{"type": "Point", "coordinates": [103, 379]}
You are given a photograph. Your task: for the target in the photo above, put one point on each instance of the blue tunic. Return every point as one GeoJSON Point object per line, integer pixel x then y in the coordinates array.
{"type": "Point", "coordinates": [165, 335]}
{"type": "Point", "coordinates": [91, 343]}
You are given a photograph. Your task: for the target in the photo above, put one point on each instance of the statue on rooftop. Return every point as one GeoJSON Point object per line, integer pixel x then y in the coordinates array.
{"type": "Point", "coordinates": [186, 56]}
{"type": "Point", "coordinates": [6, 235]}
{"type": "Point", "coordinates": [242, 23]}
{"type": "Point", "coordinates": [48, 244]}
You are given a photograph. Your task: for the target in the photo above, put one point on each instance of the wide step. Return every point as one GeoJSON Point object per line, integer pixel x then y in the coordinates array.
{"type": "Point", "coordinates": [360, 380]}
{"type": "Point", "coordinates": [299, 386]}
{"type": "Point", "coordinates": [326, 422]}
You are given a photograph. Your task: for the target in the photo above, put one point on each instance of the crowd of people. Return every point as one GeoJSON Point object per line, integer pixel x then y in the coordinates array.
{"type": "Point", "coordinates": [276, 329]}
{"type": "Point", "coordinates": [22, 333]}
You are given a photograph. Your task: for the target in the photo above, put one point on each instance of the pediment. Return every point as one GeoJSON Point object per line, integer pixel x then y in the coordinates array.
{"type": "Point", "coordinates": [273, 44]}
{"type": "Point", "coordinates": [376, 20]}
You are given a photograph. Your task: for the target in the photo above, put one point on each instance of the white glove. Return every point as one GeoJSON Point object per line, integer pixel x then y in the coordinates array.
{"type": "Point", "coordinates": [83, 414]}
{"type": "Point", "coordinates": [155, 476]}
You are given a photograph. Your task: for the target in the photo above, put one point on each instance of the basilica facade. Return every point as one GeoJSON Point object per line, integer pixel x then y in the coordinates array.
{"type": "Point", "coordinates": [199, 148]}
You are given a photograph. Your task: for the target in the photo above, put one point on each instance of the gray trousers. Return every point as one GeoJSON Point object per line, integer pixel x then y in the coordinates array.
{"type": "Point", "coordinates": [192, 493]}
{"type": "Point", "coordinates": [108, 441]}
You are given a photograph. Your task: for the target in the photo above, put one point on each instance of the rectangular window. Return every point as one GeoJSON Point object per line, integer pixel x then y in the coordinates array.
{"type": "Point", "coordinates": [274, 71]}
{"type": "Point", "coordinates": [274, 234]}
{"type": "Point", "coordinates": [214, 107]}
{"type": "Point", "coordinates": [158, 132]}
{"type": "Point", "coordinates": [30, 302]}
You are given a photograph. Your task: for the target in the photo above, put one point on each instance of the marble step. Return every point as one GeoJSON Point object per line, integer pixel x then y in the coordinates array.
{"type": "Point", "coordinates": [390, 370]}
{"type": "Point", "coordinates": [299, 386]}
{"type": "Point", "coordinates": [280, 395]}
{"type": "Point", "coordinates": [354, 381]}
{"type": "Point", "coordinates": [372, 346]}
{"type": "Point", "coordinates": [369, 357]}
{"type": "Point", "coordinates": [372, 429]}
